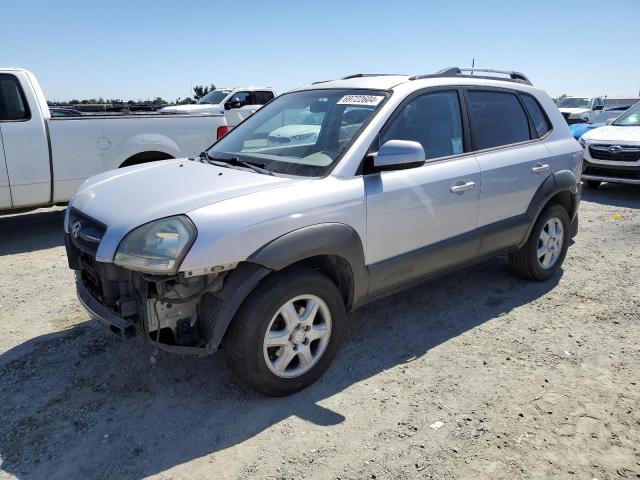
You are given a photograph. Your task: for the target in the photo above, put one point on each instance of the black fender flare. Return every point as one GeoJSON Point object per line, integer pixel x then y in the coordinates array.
{"type": "Point", "coordinates": [336, 239]}
{"type": "Point", "coordinates": [557, 182]}
{"type": "Point", "coordinates": [218, 309]}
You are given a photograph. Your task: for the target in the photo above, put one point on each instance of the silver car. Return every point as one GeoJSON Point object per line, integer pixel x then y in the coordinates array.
{"type": "Point", "coordinates": [261, 248]}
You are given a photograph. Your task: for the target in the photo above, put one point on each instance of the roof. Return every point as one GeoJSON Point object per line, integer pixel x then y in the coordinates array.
{"type": "Point", "coordinates": [447, 76]}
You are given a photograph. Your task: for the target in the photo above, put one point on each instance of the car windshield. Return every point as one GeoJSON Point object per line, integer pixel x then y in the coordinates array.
{"type": "Point", "coordinates": [301, 133]}
{"type": "Point", "coordinates": [574, 103]}
{"type": "Point", "coordinates": [629, 118]}
{"type": "Point", "coordinates": [606, 114]}
{"type": "Point", "coordinates": [214, 97]}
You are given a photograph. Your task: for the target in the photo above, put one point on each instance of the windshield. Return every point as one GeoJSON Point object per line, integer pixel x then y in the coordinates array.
{"type": "Point", "coordinates": [301, 133]}
{"type": "Point", "coordinates": [606, 114]}
{"type": "Point", "coordinates": [574, 103]}
{"type": "Point", "coordinates": [214, 97]}
{"type": "Point", "coordinates": [629, 118]}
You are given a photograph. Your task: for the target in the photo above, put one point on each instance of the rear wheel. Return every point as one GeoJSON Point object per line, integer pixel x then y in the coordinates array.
{"type": "Point", "coordinates": [546, 248]}
{"type": "Point", "coordinates": [593, 183]}
{"type": "Point", "coordinates": [287, 332]}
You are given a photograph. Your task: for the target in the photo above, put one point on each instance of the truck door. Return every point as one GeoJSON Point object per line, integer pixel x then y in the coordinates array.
{"type": "Point", "coordinates": [24, 141]}
{"type": "Point", "coordinates": [5, 193]}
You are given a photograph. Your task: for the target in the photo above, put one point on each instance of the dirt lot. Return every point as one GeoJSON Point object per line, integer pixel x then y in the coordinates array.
{"type": "Point", "coordinates": [530, 380]}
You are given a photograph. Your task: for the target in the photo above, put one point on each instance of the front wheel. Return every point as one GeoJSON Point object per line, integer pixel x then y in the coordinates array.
{"type": "Point", "coordinates": [287, 332]}
{"type": "Point", "coordinates": [545, 250]}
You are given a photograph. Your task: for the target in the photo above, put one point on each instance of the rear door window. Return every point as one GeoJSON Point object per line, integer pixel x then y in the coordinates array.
{"type": "Point", "coordinates": [13, 105]}
{"type": "Point", "coordinates": [539, 119]}
{"type": "Point", "coordinates": [263, 97]}
{"type": "Point", "coordinates": [497, 118]}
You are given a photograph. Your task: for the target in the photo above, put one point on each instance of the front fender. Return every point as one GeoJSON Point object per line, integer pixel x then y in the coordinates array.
{"type": "Point", "coordinates": [336, 239]}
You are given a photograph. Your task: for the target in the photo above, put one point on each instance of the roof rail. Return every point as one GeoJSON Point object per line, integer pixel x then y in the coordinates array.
{"type": "Point", "coordinates": [363, 75]}
{"type": "Point", "coordinates": [457, 71]}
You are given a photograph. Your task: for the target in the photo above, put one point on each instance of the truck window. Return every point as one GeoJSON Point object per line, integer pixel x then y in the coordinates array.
{"type": "Point", "coordinates": [498, 118]}
{"type": "Point", "coordinates": [243, 97]}
{"type": "Point", "coordinates": [263, 97]}
{"type": "Point", "coordinates": [13, 106]}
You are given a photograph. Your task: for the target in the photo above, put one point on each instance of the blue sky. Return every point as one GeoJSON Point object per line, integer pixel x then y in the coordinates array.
{"type": "Point", "coordinates": [143, 48]}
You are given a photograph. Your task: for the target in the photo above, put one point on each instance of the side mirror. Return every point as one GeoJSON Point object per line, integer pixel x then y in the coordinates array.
{"type": "Point", "coordinates": [398, 155]}
{"type": "Point", "coordinates": [233, 103]}
{"type": "Point", "coordinates": [609, 121]}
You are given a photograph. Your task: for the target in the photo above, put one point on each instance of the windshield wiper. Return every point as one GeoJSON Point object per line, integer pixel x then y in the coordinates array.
{"type": "Point", "coordinates": [236, 162]}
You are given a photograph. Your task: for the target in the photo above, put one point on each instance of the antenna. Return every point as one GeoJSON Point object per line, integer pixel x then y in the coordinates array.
{"type": "Point", "coordinates": [473, 64]}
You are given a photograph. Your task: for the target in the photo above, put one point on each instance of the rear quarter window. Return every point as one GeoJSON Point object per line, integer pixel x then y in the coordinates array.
{"type": "Point", "coordinates": [498, 118]}
{"type": "Point", "coordinates": [538, 117]}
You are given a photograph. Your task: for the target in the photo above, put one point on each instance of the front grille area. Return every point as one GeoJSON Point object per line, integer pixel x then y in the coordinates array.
{"type": "Point", "coordinates": [86, 232]}
{"type": "Point", "coordinates": [615, 172]}
{"type": "Point", "coordinates": [602, 152]}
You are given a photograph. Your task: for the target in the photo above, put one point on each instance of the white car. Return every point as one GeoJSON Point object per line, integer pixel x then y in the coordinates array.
{"type": "Point", "coordinates": [612, 153]}
{"type": "Point", "coordinates": [580, 109]}
{"type": "Point", "coordinates": [262, 250]}
{"type": "Point", "coordinates": [45, 158]}
{"type": "Point", "coordinates": [235, 103]}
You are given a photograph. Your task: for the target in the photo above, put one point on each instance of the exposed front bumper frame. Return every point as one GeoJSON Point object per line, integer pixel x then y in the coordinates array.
{"type": "Point", "coordinates": [102, 314]}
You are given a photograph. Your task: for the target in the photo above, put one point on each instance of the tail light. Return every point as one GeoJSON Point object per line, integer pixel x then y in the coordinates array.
{"type": "Point", "coordinates": [222, 131]}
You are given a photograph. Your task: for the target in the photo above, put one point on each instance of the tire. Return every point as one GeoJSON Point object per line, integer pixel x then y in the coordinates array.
{"type": "Point", "coordinates": [296, 362]}
{"type": "Point", "coordinates": [527, 263]}
{"type": "Point", "coordinates": [594, 184]}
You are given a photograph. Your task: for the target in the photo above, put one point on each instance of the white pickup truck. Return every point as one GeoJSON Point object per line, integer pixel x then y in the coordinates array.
{"type": "Point", "coordinates": [43, 160]}
{"type": "Point", "coordinates": [235, 103]}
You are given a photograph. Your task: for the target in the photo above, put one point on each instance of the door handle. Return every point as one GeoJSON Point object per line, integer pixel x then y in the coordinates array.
{"type": "Point", "coordinates": [462, 187]}
{"type": "Point", "coordinates": [540, 168]}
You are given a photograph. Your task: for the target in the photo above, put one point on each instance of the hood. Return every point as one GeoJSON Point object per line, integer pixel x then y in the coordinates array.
{"type": "Point", "coordinates": [578, 129]}
{"type": "Point", "coordinates": [573, 111]}
{"type": "Point", "coordinates": [293, 130]}
{"type": "Point", "coordinates": [193, 108]}
{"type": "Point", "coordinates": [129, 197]}
{"type": "Point", "coordinates": [613, 133]}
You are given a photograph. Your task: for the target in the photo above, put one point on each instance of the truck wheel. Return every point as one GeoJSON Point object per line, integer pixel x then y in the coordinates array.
{"type": "Point", "coordinates": [543, 254]}
{"type": "Point", "coordinates": [593, 183]}
{"type": "Point", "coordinates": [287, 332]}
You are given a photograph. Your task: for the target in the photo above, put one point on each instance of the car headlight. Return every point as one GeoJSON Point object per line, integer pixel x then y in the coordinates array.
{"type": "Point", "coordinates": [156, 247]}
{"type": "Point", "coordinates": [582, 143]}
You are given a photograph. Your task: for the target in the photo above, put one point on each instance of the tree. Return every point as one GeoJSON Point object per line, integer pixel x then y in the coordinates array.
{"type": "Point", "coordinates": [200, 91]}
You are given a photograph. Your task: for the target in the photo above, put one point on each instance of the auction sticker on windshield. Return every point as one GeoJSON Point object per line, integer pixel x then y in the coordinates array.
{"type": "Point", "coordinates": [360, 100]}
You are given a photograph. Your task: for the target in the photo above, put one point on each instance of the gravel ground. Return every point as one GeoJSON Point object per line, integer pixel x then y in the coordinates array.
{"type": "Point", "coordinates": [527, 380]}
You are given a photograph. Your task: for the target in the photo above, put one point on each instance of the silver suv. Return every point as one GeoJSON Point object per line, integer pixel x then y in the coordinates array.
{"type": "Point", "coordinates": [379, 182]}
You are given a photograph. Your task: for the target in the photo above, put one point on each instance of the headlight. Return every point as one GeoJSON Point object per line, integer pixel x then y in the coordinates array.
{"type": "Point", "coordinates": [158, 246]}
{"type": "Point", "coordinates": [582, 143]}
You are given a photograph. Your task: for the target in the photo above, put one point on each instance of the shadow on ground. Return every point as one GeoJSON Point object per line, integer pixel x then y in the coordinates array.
{"type": "Point", "coordinates": [44, 230]}
{"type": "Point", "coordinates": [84, 404]}
{"type": "Point", "coordinates": [614, 194]}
